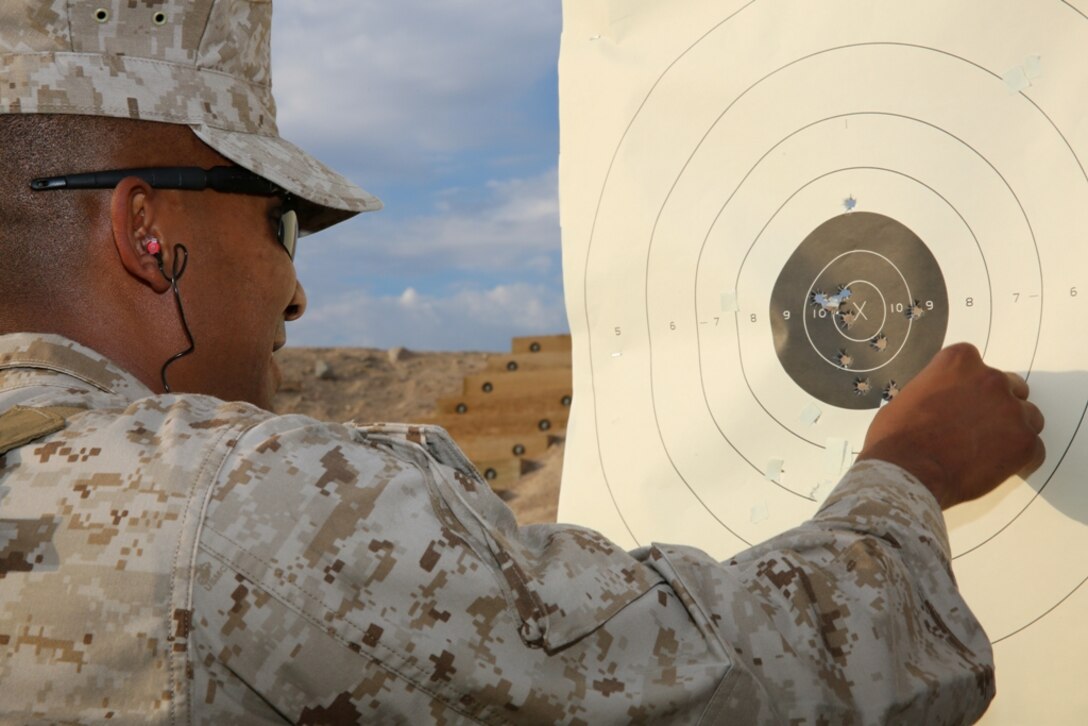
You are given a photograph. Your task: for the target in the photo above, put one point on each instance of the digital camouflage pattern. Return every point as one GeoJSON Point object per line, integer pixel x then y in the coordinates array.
{"type": "Point", "coordinates": [202, 63]}
{"type": "Point", "coordinates": [179, 559]}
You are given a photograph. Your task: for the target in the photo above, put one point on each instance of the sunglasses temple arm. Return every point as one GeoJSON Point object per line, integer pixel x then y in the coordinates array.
{"type": "Point", "coordinates": [192, 178]}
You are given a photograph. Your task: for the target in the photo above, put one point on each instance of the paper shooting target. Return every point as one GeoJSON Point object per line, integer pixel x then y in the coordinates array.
{"type": "Point", "coordinates": [774, 213]}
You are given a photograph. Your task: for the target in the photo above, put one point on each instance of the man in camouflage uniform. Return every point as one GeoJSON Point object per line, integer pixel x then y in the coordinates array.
{"type": "Point", "coordinates": [179, 558]}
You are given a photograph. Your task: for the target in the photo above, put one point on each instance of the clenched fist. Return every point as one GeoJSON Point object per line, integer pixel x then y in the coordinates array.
{"type": "Point", "coordinates": [960, 426]}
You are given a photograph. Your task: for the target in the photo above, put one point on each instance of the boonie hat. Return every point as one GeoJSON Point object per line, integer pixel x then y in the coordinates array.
{"type": "Point", "coordinates": [202, 63]}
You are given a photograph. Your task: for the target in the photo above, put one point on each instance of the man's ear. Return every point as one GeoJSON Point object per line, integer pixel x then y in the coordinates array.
{"type": "Point", "coordinates": [133, 219]}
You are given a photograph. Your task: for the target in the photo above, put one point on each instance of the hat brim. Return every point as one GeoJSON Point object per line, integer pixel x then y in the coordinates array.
{"type": "Point", "coordinates": [326, 197]}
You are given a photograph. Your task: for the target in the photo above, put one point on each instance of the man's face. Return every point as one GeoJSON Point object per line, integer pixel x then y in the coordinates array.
{"type": "Point", "coordinates": [238, 290]}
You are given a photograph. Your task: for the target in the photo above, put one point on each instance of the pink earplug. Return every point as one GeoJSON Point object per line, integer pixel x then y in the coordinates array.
{"type": "Point", "coordinates": [153, 246]}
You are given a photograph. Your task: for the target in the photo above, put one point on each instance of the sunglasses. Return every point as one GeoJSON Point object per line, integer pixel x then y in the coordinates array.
{"type": "Point", "coordinates": [226, 179]}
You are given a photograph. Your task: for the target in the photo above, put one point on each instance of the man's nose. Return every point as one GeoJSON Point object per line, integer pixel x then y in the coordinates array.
{"type": "Point", "coordinates": [297, 307]}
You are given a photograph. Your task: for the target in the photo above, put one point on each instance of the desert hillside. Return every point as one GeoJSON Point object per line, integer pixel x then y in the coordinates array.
{"type": "Point", "coordinates": [367, 385]}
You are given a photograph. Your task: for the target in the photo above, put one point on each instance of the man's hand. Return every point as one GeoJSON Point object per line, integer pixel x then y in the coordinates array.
{"type": "Point", "coordinates": [960, 426]}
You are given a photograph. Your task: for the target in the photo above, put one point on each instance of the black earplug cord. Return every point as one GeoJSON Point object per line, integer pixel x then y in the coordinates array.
{"type": "Point", "coordinates": [181, 261]}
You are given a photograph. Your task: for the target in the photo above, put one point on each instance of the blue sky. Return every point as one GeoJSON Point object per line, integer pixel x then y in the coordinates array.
{"type": "Point", "coordinates": [447, 111]}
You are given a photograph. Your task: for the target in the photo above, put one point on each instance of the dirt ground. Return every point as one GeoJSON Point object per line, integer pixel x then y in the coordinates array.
{"type": "Point", "coordinates": [368, 385]}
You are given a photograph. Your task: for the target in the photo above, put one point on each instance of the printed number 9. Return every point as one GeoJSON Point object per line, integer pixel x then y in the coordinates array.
{"type": "Point", "coordinates": [785, 315]}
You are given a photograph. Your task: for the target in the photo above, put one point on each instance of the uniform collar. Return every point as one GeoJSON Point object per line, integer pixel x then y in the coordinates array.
{"type": "Point", "coordinates": [43, 351]}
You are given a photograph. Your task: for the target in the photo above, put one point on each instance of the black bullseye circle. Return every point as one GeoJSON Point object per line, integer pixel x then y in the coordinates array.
{"type": "Point", "coordinates": [859, 308]}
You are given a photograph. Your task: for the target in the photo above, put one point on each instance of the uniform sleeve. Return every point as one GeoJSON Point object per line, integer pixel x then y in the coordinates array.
{"type": "Point", "coordinates": [853, 617]}
{"type": "Point", "coordinates": [347, 576]}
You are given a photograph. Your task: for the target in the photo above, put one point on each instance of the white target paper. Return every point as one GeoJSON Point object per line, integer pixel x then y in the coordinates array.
{"type": "Point", "coordinates": [774, 212]}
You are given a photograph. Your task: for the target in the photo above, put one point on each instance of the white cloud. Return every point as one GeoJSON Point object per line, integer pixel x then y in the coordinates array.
{"type": "Point", "coordinates": [373, 79]}
{"type": "Point", "coordinates": [515, 229]}
{"type": "Point", "coordinates": [419, 101]}
{"type": "Point", "coordinates": [464, 320]}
